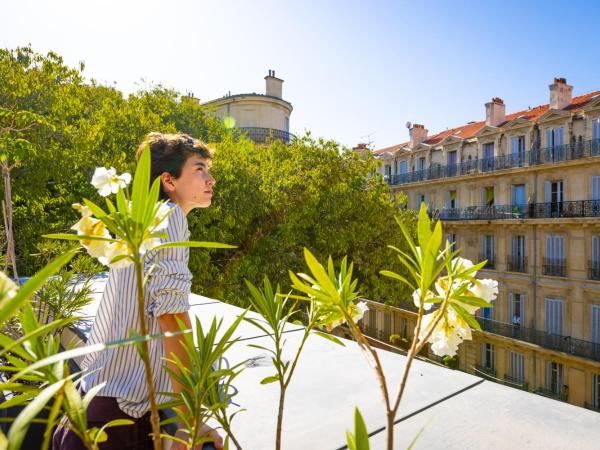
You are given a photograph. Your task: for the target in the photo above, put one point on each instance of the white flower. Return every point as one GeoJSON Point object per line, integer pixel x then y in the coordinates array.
{"type": "Point", "coordinates": [417, 299]}
{"type": "Point", "coordinates": [82, 209]}
{"type": "Point", "coordinates": [450, 331]}
{"type": "Point", "coordinates": [89, 226]}
{"type": "Point", "coordinates": [114, 249]}
{"type": "Point", "coordinates": [485, 289]}
{"type": "Point", "coordinates": [149, 244]}
{"type": "Point", "coordinates": [8, 289]}
{"type": "Point", "coordinates": [106, 181]}
{"type": "Point", "coordinates": [161, 219]}
{"type": "Point", "coordinates": [360, 309]}
{"type": "Point", "coordinates": [462, 264]}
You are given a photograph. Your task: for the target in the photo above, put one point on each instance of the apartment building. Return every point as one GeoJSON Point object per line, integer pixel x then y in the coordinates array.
{"type": "Point", "coordinates": [522, 191]}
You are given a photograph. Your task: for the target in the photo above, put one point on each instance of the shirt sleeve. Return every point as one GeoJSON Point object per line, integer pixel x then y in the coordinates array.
{"type": "Point", "coordinates": [169, 278]}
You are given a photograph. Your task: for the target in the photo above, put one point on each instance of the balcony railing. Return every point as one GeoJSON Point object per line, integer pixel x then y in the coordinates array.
{"type": "Point", "coordinates": [566, 344]}
{"type": "Point", "coordinates": [265, 135]}
{"type": "Point", "coordinates": [594, 270]}
{"type": "Point", "coordinates": [516, 383]}
{"type": "Point", "coordinates": [554, 267]}
{"type": "Point", "coordinates": [515, 263]}
{"type": "Point", "coordinates": [489, 260]}
{"type": "Point", "coordinates": [551, 394]}
{"type": "Point", "coordinates": [529, 158]}
{"type": "Point", "coordinates": [485, 372]}
{"type": "Point", "coordinates": [550, 210]}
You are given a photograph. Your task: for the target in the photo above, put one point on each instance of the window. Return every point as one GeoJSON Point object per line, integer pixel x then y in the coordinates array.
{"type": "Point", "coordinates": [287, 123]}
{"type": "Point", "coordinates": [372, 318]}
{"type": "Point", "coordinates": [420, 199]}
{"type": "Point", "coordinates": [421, 165]}
{"type": "Point", "coordinates": [487, 313]}
{"type": "Point", "coordinates": [555, 151]}
{"type": "Point", "coordinates": [387, 324]}
{"type": "Point", "coordinates": [403, 167]}
{"type": "Point", "coordinates": [554, 262]}
{"type": "Point", "coordinates": [404, 328]}
{"type": "Point", "coordinates": [596, 136]}
{"type": "Point", "coordinates": [517, 367]}
{"type": "Point", "coordinates": [594, 264]}
{"type": "Point", "coordinates": [516, 260]}
{"type": "Point", "coordinates": [596, 390]}
{"type": "Point", "coordinates": [554, 316]}
{"type": "Point", "coordinates": [488, 196]}
{"type": "Point", "coordinates": [487, 250]}
{"type": "Point", "coordinates": [516, 309]}
{"type": "Point", "coordinates": [452, 163]}
{"type": "Point", "coordinates": [596, 324]}
{"type": "Point", "coordinates": [395, 166]}
{"type": "Point", "coordinates": [517, 200]}
{"type": "Point", "coordinates": [487, 356]}
{"type": "Point", "coordinates": [554, 377]}
{"type": "Point", "coordinates": [451, 238]}
{"type": "Point", "coordinates": [451, 200]}
{"type": "Point", "coordinates": [595, 188]}
{"type": "Point", "coordinates": [553, 197]}
{"type": "Point", "coordinates": [518, 151]}
{"type": "Point", "coordinates": [488, 157]}
{"type": "Point", "coordinates": [388, 169]}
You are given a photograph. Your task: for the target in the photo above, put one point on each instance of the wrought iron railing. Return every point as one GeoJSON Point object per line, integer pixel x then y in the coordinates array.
{"type": "Point", "coordinates": [551, 394]}
{"type": "Point", "coordinates": [516, 263]}
{"type": "Point", "coordinates": [532, 157]}
{"type": "Point", "coordinates": [516, 383]}
{"type": "Point", "coordinates": [265, 135]}
{"type": "Point", "coordinates": [594, 270]}
{"type": "Point", "coordinates": [485, 372]}
{"type": "Point", "coordinates": [550, 210]}
{"type": "Point", "coordinates": [566, 344]}
{"type": "Point", "coordinates": [554, 267]}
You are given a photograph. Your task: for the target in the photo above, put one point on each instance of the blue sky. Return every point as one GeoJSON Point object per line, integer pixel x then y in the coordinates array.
{"type": "Point", "coordinates": [351, 68]}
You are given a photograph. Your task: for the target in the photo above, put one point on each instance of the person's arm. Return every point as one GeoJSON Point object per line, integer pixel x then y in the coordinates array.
{"type": "Point", "coordinates": [172, 346]}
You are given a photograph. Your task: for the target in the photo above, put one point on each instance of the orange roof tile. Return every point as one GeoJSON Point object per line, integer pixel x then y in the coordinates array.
{"type": "Point", "coordinates": [471, 129]}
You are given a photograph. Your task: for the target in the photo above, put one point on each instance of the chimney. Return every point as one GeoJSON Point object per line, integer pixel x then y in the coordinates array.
{"type": "Point", "coordinates": [561, 94]}
{"type": "Point", "coordinates": [418, 134]}
{"type": "Point", "coordinates": [274, 85]}
{"type": "Point", "coordinates": [494, 112]}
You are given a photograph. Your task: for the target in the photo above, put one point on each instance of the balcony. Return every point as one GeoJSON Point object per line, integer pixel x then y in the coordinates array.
{"type": "Point", "coordinates": [485, 372]}
{"type": "Point", "coordinates": [550, 210]}
{"type": "Point", "coordinates": [554, 267]}
{"type": "Point", "coordinates": [515, 263]}
{"type": "Point", "coordinates": [489, 261]}
{"type": "Point", "coordinates": [551, 394]}
{"type": "Point", "coordinates": [534, 157]}
{"type": "Point", "coordinates": [594, 270]}
{"type": "Point", "coordinates": [266, 135]}
{"type": "Point", "coordinates": [516, 383]}
{"type": "Point", "coordinates": [566, 344]}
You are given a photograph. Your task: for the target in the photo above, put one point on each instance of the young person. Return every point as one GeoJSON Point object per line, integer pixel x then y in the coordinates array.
{"type": "Point", "coordinates": [183, 164]}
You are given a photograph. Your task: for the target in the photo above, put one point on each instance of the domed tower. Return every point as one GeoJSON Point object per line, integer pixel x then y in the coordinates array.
{"type": "Point", "coordinates": [262, 116]}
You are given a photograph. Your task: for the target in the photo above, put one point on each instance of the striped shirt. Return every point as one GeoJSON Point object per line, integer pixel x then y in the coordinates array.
{"type": "Point", "coordinates": [167, 292]}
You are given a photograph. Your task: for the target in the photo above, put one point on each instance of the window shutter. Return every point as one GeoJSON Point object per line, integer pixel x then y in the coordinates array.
{"type": "Point", "coordinates": [547, 191]}
{"type": "Point", "coordinates": [559, 250]}
{"type": "Point", "coordinates": [596, 324]}
{"type": "Point", "coordinates": [515, 146]}
{"type": "Point", "coordinates": [596, 129]}
{"type": "Point", "coordinates": [511, 306]}
{"type": "Point", "coordinates": [522, 309]}
{"type": "Point", "coordinates": [558, 136]}
{"type": "Point", "coordinates": [595, 251]}
{"type": "Point", "coordinates": [549, 248]}
{"type": "Point", "coordinates": [595, 188]}
{"type": "Point", "coordinates": [554, 316]}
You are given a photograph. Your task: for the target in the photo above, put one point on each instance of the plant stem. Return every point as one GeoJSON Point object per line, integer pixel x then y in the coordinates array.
{"type": "Point", "coordinates": [280, 417]}
{"type": "Point", "coordinates": [154, 419]}
{"type": "Point", "coordinates": [8, 220]}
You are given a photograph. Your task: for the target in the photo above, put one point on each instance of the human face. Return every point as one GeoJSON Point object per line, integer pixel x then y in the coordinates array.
{"type": "Point", "coordinates": [194, 187]}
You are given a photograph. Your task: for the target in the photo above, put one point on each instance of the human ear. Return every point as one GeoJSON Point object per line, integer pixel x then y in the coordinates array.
{"type": "Point", "coordinates": [167, 182]}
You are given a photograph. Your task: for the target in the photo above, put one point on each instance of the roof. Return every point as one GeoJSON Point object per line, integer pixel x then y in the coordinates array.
{"type": "Point", "coordinates": [456, 410]}
{"type": "Point", "coordinates": [471, 129]}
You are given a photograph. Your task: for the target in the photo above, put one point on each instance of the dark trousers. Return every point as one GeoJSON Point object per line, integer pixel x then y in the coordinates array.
{"type": "Point", "coordinates": [101, 411]}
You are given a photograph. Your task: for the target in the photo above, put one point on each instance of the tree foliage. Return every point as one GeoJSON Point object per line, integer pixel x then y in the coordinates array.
{"type": "Point", "coordinates": [271, 200]}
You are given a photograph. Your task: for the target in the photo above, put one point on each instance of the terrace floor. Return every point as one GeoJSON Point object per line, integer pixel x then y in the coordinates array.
{"type": "Point", "coordinates": [456, 410]}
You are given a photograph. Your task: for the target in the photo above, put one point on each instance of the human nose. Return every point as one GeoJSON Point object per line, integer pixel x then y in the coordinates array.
{"type": "Point", "coordinates": [211, 181]}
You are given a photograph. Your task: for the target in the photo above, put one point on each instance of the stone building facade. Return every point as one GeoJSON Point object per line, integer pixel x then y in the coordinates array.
{"type": "Point", "coordinates": [521, 191]}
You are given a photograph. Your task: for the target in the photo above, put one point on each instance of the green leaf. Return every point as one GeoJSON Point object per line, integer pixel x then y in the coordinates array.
{"type": "Point", "coordinates": [9, 305]}
{"type": "Point", "coordinates": [423, 227]}
{"type": "Point", "coordinates": [394, 275]}
{"type": "Point", "coordinates": [76, 237]}
{"type": "Point", "coordinates": [141, 184]}
{"type": "Point", "coordinates": [361, 435]}
{"type": "Point", "coordinates": [466, 316]}
{"type": "Point", "coordinates": [271, 379]}
{"type": "Point", "coordinates": [194, 244]}
{"type": "Point", "coordinates": [329, 337]}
